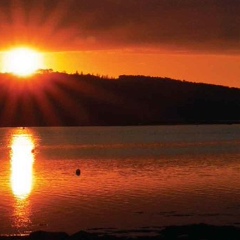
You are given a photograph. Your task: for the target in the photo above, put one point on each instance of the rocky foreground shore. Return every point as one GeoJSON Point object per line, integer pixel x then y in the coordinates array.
{"type": "Point", "coordinates": [187, 232]}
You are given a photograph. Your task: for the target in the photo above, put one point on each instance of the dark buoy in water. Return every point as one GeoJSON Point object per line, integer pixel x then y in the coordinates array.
{"type": "Point", "coordinates": [78, 172]}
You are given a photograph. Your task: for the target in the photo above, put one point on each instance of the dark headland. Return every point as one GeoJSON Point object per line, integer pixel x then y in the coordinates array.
{"type": "Point", "coordinates": [59, 99]}
{"type": "Point", "coordinates": [187, 232]}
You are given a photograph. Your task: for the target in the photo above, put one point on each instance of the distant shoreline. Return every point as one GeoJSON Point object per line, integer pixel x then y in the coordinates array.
{"type": "Point", "coordinates": [136, 125]}
{"type": "Point", "coordinates": [187, 232]}
{"type": "Point", "coordinates": [57, 99]}
{"type": "Point", "coordinates": [170, 123]}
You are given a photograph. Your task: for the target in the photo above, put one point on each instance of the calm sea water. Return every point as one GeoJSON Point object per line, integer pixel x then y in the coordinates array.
{"type": "Point", "coordinates": [131, 177]}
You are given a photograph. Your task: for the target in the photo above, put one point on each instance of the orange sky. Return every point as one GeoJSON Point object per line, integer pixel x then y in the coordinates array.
{"type": "Point", "coordinates": [192, 40]}
{"type": "Point", "coordinates": [214, 69]}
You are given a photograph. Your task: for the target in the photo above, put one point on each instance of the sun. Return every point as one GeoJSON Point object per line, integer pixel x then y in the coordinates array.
{"type": "Point", "coordinates": [22, 61]}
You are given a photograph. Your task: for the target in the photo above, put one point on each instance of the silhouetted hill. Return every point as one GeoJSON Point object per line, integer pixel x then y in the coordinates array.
{"type": "Point", "coordinates": [50, 99]}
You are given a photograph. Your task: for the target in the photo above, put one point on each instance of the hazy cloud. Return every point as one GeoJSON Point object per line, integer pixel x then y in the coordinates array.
{"type": "Point", "coordinates": [201, 25]}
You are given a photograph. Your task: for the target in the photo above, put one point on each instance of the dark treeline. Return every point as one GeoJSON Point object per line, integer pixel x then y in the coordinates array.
{"type": "Point", "coordinates": [51, 99]}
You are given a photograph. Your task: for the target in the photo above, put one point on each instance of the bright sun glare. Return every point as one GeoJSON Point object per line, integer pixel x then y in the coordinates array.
{"type": "Point", "coordinates": [22, 159]}
{"type": "Point", "coordinates": [22, 61]}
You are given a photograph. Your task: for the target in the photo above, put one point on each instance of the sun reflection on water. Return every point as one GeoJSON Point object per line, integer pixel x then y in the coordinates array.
{"type": "Point", "coordinates": [22, 158]}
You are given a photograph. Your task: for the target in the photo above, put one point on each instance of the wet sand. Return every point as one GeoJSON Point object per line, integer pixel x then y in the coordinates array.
{"type": "Point", "coordinates": [186, 232]}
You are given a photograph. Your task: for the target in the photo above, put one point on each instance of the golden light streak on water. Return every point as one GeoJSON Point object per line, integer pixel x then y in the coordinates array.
{"type": "Point", "coordinates": [22, 159]}
{"type": "Point", "coordinates": [21, 177]}
{"type": "Point", "coordinates": [21, 215]}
